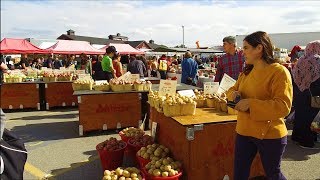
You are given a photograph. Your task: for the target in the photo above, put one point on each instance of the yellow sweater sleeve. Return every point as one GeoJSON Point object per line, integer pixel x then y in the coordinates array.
{"type": "Point", "coordinates": [234, 88]}
{"type": "Point", "coordinates": [281, 102]}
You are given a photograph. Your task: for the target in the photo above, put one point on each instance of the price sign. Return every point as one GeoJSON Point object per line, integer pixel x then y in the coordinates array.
{"type": "Point", "coordinates": [210, 87]}
{"type": "Point", "coordinates": [188, 93]}
{"type": "Point", "coordinates": [135, 77]}
{"type": "Point", "coordinates": [101, 82]}
{"type": "Point", "coordinates": [125, 77]}
{"type": "Point", "coordinates": [226, 83]}
{"type": "Point", "coordinates": [167, 87]}
{"type": "Point", "coordinates": [44, 68]}
{"type": "Point", "coordinates": [62, 68]}
{"type": "Point", "coordinates": [82, 76]}
{"type": "Point", "coordinates": [80, 71]}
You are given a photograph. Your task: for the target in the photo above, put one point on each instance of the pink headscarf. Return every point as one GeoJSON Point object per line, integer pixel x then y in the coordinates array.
{"type": "Point", "coordinates": [307, 69]}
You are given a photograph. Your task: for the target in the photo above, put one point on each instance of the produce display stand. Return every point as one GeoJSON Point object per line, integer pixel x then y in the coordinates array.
{"type": "Point", "coordinates": [204, 143]}
{"type": "Point", "coordinates": [59, 94]}
{"type": "Point", "coordinates": [21, 95]}
{"type": "Point", "coordinates": [104, 110]}
{"type": "Point", "coordinates": [100, 110]}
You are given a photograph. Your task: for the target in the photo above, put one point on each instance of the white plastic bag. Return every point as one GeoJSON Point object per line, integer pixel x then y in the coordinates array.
{"type": "Point", "coordinates": [315, 125]}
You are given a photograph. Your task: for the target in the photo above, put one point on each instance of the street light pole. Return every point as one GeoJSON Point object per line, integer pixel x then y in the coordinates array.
{"type": "Point", "coordinates": [183, 36]}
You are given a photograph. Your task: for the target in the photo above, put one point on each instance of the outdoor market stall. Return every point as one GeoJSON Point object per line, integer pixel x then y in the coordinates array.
{"type": "Point", "coordinates": [104, 110]}
{"type": "Point", "coordinates": [20, 95]}
{"type": "Point", "coordinates": [73, 47]}
{"type": "Point", "coordinates": [59, 94]}
{"type": "Point", "coordinates": [123, 49]}
{"type": "Point", "coordinates": [203, 143]}
{"type": "Point", "coordinates": [19, 46]}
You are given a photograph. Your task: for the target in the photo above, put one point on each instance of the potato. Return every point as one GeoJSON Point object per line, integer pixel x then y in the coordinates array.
{"type": "Point", "coordinates": [107, 172]}
{"type": "Point", "coordinates": [156, 172]}
{"type": "Point", "coordinates": [126, 174]}
{"type": "Point", "coordinates": [165, 174]}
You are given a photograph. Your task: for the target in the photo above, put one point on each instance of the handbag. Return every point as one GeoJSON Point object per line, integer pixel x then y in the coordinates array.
{"type": "Point", "coordinates": [13, 156]}
{"type": "Point", "coordinates": [315, 101]}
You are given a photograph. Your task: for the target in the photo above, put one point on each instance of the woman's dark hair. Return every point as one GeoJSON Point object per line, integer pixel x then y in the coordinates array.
{"type": "Point", "coordinates": [116, 56]}
{"type": "Point", "coordinates": [254, 40]}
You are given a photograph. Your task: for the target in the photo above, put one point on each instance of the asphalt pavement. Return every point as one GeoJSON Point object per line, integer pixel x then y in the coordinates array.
{"type": "Point", "coordinates": [55, 150]}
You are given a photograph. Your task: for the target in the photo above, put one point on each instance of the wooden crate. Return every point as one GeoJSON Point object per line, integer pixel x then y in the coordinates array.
{"type": "Point", "coordinates": [109, 111]}
{"type": "Point", "coordinates": [20, 96]}
{"type": "Point", "coordinates": [59, 94]}
{"type": "Point", "coordinates": [210, 154]}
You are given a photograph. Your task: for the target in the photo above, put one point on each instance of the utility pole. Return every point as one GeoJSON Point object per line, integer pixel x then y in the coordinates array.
{"type": "Point", "coordinates": [183, 36]}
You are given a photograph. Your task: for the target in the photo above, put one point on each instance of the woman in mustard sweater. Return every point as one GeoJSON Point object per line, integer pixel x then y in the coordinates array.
{"type": "Point", "coordinates": [265, 88]}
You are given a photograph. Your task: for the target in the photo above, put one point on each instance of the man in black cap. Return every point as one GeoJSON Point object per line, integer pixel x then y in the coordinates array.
{"type": "Point", "coordinates": [232, 62]}
{"type": "Point", "coordinates": [106, 63]}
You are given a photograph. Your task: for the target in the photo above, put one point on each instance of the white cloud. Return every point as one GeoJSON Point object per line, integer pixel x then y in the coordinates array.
{"type": "Point", "coordinates": [206, 21]}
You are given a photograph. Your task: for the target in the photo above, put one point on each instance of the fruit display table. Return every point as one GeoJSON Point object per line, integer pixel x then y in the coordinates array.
{"type": "Point", "coordinates": [204, 143]}
{"type": "Point", "coordinates": [20, 95]}
{"type": "Point", "coordinates": [108, 110]}
{"type": "Point", "coordinates": [59, 94]}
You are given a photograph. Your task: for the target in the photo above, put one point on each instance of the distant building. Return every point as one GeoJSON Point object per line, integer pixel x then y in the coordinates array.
{"type": "Point", "coordinates": [287, 40]}
{"type": "Point", "coordinates": [117, 39]}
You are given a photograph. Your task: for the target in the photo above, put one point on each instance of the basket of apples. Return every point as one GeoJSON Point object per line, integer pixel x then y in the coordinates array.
{"type": "Point", "coordinates": [135, 144]}
{"type": "Point", "coordinates": [111, 153]}
{"type": "Point", "coordinates": [130, 132]}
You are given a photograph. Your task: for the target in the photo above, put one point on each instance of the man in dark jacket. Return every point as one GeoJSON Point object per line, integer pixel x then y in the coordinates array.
{"type": "Point", "coordinates": [136, 67]}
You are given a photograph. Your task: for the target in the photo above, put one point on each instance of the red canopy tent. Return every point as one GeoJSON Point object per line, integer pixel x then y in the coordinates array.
{"type": "Point", "coordinates": [19, 46]}
{"type": "Point", "coordinates": [123, 49]}
{"type": "Point", "coordinates": [73, 47]}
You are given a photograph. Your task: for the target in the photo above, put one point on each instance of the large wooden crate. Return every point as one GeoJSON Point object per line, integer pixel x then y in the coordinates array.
{"type": "Point", "coordinates": [20, 96]}
{"type": "Point", "coordinates": [203, 143]}
{"type": "Point", "coordinates": [108, 111]}
{"type": "Point", "coordinates": [59, 94]}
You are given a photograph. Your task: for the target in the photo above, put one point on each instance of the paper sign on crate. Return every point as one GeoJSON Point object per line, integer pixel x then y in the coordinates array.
{"type": "Point", "coordinates": [125, 77]}
{"type": "Point", "coordinates": [210, 87]}
{"type": "Point", "coordinates": [101, 82]}
{"type": "Point", "coordinates": [188, 93]}
{"type": "Point", "coordinates": [43, 68]}
{"type": "Point", "coordinates": [135, 77]}
{"type": "Point", "coordinates": [81, 76]}
{"type": "Point", "coordinates": [80, 71]}
{"type": "Point", "coordinates": [167, 87]}
{"type": "Point", "coordinates": [226, 83]}
{"type": "Point", "coordinates": [62, 68]}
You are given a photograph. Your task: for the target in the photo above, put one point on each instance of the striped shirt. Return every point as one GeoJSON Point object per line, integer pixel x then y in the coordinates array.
{"type": "Point", "coordinates": [231, 65]}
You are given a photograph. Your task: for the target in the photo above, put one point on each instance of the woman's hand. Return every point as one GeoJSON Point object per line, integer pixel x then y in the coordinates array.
{"type": "Point", "coordinates": [243, 105]}
{"type": "Point", "coordinates": [235, 94]}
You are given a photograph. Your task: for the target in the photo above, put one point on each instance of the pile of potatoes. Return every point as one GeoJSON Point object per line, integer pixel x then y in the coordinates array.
{"type": "Point", "coordinates": [130, 173]}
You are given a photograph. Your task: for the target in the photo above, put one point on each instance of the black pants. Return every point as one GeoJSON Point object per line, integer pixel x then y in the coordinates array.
{"type": "Point", "coordinates": [163, 74]}
{"type": "Point", "coordinates": [304, 115]}
{"type": "Point", "coordinates": [153, 73]}
{"type": "Point", "coordinates": [108, 75]}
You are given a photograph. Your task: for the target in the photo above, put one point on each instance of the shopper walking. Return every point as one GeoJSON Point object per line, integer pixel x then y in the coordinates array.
{"type": "Point", "coordinates": [189, 69]}
{"type": "Point", "coordinates": [265, 89]}
{"type": "Point", "coordinates": [306, 77]}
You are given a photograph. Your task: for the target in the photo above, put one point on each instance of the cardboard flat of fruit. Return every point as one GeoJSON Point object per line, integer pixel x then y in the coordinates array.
{"type": "Point", "coordinates": [205, 116]}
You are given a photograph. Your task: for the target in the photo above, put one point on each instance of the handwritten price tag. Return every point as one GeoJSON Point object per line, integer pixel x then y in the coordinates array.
{"type": "Point", "coordinates": [80, 71]}
{"type": "Point", "coordinates": [167, 87]}
{"type": "Point", "coordinates": [125, 77]}
{"type": "Point", "coordinates": [210, 87]}
{"type": "Point", "coordinates": [188, 93]}
{"type": "Point", "coordinates": [101, 82]}
{"type": "Point", "coordinates": [226, 83]}
{"type": "Point", "coordinates": [135, 77]}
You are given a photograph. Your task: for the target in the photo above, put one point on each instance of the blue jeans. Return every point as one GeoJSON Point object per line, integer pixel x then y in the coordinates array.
{"type": "Point", "coordinates": [270, 150]}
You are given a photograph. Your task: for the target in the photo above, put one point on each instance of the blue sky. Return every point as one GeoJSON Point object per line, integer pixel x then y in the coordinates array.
{"type": "Point", "coordinates": [206, 21]}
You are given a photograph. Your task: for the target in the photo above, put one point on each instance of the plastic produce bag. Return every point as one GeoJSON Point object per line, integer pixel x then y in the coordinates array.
{"type": "Point", "coordinates": [315, 125]}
